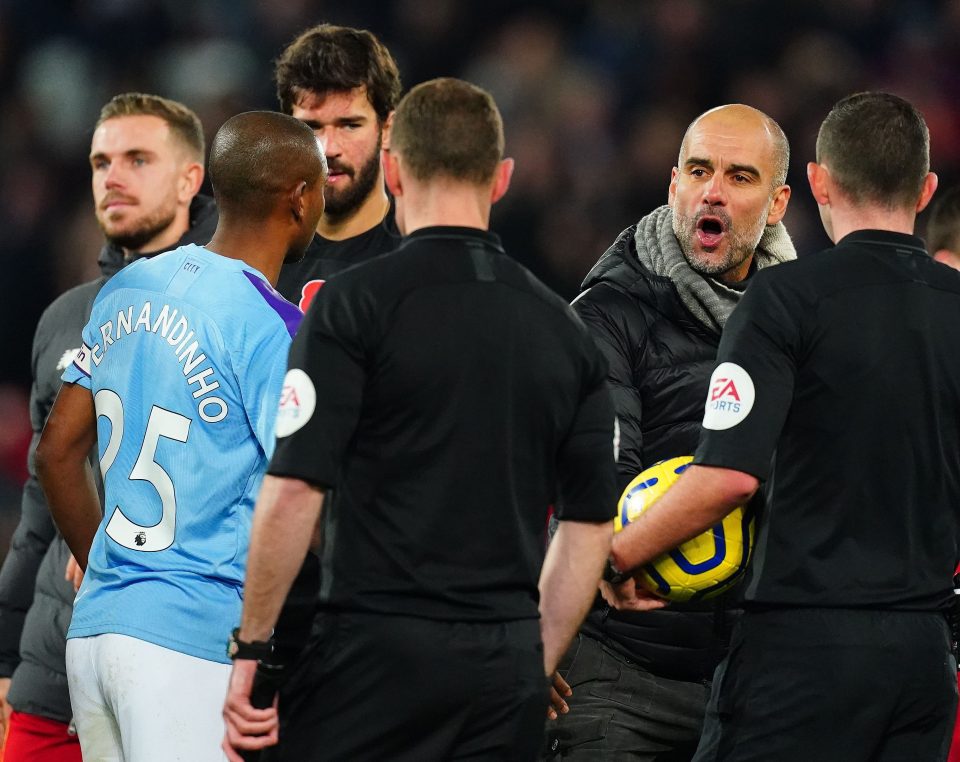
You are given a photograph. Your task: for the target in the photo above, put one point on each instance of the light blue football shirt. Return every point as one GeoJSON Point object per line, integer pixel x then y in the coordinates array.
{"type": "Point", "coordinates": [185, 355]}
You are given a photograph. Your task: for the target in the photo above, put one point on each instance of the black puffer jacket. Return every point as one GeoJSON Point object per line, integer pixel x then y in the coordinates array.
{"type": "Point", "coordinates": [36, 602]}
{"type": "Point", "coordinates": [660, 360]}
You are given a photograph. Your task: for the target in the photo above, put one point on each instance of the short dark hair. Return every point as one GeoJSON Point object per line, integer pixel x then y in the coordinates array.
{"type": "Point", "coordinates": [257, 155]}
{"type": "Point", "coordinates": [450, 128]}
{"type": "Point", "coordinates": [184, 124]}
{"type": "Point", "coordinates": [328, 58]}
{"type": "Point", "coordinates": [943, 226]}
{"type": "Point", "coordinates": [877, 148]}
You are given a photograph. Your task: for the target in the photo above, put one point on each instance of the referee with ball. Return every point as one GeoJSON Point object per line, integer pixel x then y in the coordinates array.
{"type": "Point", "coordinates": [846, 372]}
{"type": "Point", "coordinates": [442, 398]}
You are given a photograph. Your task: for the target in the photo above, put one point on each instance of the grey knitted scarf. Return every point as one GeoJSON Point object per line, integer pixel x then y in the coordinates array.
{"type": "Point", "coordinates": [710, 301]}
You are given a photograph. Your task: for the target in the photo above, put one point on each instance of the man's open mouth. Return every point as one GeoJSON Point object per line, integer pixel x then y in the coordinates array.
{"type": "Point", "coordinates": [710, 231]}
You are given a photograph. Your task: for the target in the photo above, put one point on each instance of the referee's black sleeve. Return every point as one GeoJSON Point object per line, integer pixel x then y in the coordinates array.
{"type": "Point", "coordinates": [326, 375]}
{"type": "Point", "coordinates": [586, 464]}
{"type": "Point", "coordinates": [757, 356]}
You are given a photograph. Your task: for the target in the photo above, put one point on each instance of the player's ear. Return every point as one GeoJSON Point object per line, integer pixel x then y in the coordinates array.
{"type": "Point", "coordinates": [297, 201]}
{"type": "Point", "coordinates": [385, 133]}
{"type": "Point", "coordinates": [930, 183]}
{"type": "Point", "coordinates": [188, 185]}
{"type": "Point", "coordinates": [501, 180]}
{"type": "Point", "coordinates": [672, 190]}
{"type": "Point", "coordinates": [391, 172]}
{"type": "Point", "coordinates": [778, 207]}
{"type": "Point", "coordinates": [818, 175]}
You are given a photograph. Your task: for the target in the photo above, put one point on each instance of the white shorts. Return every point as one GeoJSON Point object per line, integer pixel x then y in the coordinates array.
{"type": "Point", "coordinates": [134, 701]}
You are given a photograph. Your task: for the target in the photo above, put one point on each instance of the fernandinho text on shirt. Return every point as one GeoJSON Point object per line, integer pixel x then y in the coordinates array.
{"type": "Point", "coordinates": [175, 329]}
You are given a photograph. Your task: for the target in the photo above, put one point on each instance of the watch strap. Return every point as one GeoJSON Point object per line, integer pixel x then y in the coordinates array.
{"type": "Point", "coordinates": [256, 650]}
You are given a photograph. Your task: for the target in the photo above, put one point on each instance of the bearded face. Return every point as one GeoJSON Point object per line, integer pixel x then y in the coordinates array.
{"type": "Point", "coordinates": [713, 242]}
{"type": "Point", "coordinates": [723, 191]}
{"type": "Point", "coordinates": [352, 185]}
{"type": "Point", "coordinates": [351, 133]}
{"type": "Point", "coordinates": [136, 171]}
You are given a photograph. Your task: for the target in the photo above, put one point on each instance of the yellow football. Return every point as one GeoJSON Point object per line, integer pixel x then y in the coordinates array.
{"type": "Point", "coordinates": [700, 568]}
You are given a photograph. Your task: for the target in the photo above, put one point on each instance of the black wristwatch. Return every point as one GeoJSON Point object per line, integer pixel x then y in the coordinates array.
{"type": "Point", "coordinates": [257, 650]}
{"type": "Point", "coordinates": [612, 574]}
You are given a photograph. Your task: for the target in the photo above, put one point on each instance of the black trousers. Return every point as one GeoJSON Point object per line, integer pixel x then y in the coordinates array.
{"type": "Point", "coordinates": [831, 685]}
{"type": "Point", "coordinates": [620, 712]}
{"type": "Point", "coordinates": [377, 687]}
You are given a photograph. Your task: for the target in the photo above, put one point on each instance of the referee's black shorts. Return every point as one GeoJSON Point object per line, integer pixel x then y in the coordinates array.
{"type": "Point", "coordinates": [378, 687]}
{"type": "Point", "coordinates": [839, 685]}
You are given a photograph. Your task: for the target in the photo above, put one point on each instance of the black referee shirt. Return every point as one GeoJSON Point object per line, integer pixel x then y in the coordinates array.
{"type": "Point", "coordinates": [449, 398]}
{"type": "Point", "coordinates": [839, 383]}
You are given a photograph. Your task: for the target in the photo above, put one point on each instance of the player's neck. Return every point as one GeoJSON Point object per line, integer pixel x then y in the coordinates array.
{"type": "Point", "coordinates": [253, 245]}
{"type": "Point", "coordinates": [369, 214]}
{"type": "Point", "coordinates": [849, 220]}
{"type": "Point", "coordinates": [438, 203]}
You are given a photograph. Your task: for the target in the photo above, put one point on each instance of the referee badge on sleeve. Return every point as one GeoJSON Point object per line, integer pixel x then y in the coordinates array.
{"type": "Point", "coordinates": [298, 400]}
{"type": "Point", "coordinates": [730, 397]}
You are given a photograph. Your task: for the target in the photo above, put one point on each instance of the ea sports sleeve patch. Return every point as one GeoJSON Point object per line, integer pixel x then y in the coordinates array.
{"type": "Point", "coordinates": [730, 397]}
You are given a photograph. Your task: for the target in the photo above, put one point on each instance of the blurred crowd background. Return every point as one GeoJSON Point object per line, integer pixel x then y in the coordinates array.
{"type": "Point", "coordinates": [596, 95]}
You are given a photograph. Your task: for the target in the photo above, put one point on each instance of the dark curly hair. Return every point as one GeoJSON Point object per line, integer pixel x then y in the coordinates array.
{"type": "Point", "coordinates": [328, 58]}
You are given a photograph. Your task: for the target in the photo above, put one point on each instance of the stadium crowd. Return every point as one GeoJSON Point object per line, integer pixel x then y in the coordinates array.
{"type": "Point", "coordinates": [593, 95]}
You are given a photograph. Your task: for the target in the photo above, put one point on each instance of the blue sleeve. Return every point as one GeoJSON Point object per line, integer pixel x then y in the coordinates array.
{"type": "Point", "coordinates": [78, 372]}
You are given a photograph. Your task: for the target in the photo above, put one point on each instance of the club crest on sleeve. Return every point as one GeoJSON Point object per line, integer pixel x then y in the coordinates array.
{"type": "Point", "coordinates": [730, 397]}
{"type": "Point", "coordinates": [298, 400]}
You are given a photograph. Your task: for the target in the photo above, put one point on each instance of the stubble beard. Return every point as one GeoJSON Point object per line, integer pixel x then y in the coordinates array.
{"type": "Point", "coordinates": [341, 204]}
{"type": "Point", "coordinates": [741, 244]}
{"type": "Point", "coordinates": [137, 235]}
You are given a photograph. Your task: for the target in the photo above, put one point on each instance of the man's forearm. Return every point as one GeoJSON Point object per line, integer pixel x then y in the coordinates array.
{"type": "Point", "coordinates": [74, 503]}
{"type": "Point", "coordinates": [702, 497]}
{"type": "Point", "coordinates": [568, 583]}
{"type": "Point", "coordinates": [69, 435]}
{"type": "Point", "coordinates": [283, 523]}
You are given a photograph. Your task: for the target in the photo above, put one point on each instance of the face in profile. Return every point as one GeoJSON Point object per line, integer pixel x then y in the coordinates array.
{"type": "Point", "coordinates": [723, 194]}
{"type": "Point", "coordinates": [347, 125]}
{"type": "Point", "coordinates": [313, 199]}
{"type": "Point", "coordinates": [137, 167]}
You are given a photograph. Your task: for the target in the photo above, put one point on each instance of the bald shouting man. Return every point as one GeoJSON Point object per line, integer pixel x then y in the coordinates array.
{"type": "Point", "coordinates": [180, 374]}
{"type": "Point", "coordinates": [656, 303]}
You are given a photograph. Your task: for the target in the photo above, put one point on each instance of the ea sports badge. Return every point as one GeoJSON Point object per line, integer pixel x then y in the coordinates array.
{"type": "Point", "coordinates": [298, 400]}
{"type": "Point", "coordinates": [729, 398]}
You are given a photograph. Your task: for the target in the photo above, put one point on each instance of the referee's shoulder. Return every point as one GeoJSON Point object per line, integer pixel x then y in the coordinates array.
{"type": "Point", "coordinates": [518, 276]}
{"type": "Point", "coordinates": [381, 268]}
{"type": "Point", "coordinates": [799, 272]}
